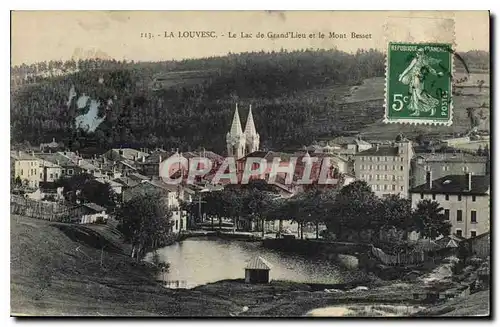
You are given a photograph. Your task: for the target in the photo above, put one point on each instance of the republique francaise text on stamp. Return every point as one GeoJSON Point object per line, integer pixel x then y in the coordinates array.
{"type": "Point", "coordinates": [418, 83]}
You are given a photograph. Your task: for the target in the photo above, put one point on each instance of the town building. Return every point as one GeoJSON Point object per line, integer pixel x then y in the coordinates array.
{"type": "Point", "coordinates": [239, 142]}
{"type": "Point", "coordinates": [465, 199]}
{"type": "Point", "coordinates": [173, 195]}
{"type": "Point", "coordinates": [443, 164]}
{"type": "Point", "coordinates": [26, 168]}
{"type": "Point", "coordinates": [49, 172]}
{"type": "Point", "coordinates": [386, 168]}
{"type": "Point", "coordinates": [50, 147]}
{"type": "Point", "coordinates": [93, 213]}
{"type": "Point", "coordinates": [125, 154]}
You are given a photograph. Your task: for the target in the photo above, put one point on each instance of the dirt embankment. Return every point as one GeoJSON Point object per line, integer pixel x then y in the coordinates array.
{"type": "Point", "coordinates": [62, 269]}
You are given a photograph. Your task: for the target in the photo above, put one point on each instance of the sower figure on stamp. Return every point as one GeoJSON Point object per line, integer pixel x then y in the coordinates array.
{"type": "Point", "coordinates": [414, 76]}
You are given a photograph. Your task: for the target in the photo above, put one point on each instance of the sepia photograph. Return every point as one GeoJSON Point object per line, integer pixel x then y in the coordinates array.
{"type": "Point", "coordinates": [250, 164]}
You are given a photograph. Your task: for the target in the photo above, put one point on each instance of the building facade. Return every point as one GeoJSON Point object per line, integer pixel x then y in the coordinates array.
{"type": "Point", "coordinates": [443, 164]}
{"type": "Point", "coordinates": [386, 168]}
{"type": "Point", "coordinates": [465, 199]}
{"type": "Point", "coordinates": [25, 167]}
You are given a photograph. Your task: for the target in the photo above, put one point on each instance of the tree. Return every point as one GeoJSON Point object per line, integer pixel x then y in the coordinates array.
{"type": "Point", "coordinates": [429, 220]}
{"type": "Point", "coordinates": [145, 222]}
{"type": "Point", "coordinates": [393, 212]}
{"type": "Point", "coordinates": [353, 210]}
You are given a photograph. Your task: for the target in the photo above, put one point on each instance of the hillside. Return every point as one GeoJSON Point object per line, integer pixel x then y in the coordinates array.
{"type": "Point", "coordinates": [297, 97]}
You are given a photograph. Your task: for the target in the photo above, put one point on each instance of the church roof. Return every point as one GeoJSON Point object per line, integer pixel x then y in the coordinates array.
{"type": "Point", "coordinates": [250, 126]}
{"type": "Point", "coordinates": [236, 124]}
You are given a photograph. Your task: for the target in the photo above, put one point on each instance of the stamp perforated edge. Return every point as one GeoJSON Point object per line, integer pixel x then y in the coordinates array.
{"type": "Point", "coordinates": [416, 121]}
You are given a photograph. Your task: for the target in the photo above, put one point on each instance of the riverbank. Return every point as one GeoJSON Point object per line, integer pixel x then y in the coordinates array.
{"type": "Point", "coordinates": [64, 269]}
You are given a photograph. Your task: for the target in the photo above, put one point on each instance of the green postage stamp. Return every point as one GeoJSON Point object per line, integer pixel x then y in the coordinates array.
{"type": "Point", "coordinates": [418, 83]}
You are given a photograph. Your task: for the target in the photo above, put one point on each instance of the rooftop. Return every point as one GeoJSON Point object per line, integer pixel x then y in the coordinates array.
{"type": "Point", "coordinates": [387, 151]}
{"type": "Point", "coordinates": [456, 184]}
{"type": "Point", "coordinates": [450, 157]}
{"type": "Point", "coordinates": [20, 155]}
{"type": "Point", "coordinates": [94, 207]}
{"type": "Point", "coordinates": [258, 263]}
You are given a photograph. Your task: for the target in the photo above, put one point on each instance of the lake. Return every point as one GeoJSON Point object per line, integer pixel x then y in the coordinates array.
{"type": "Point", "coordinates": [198, 261]}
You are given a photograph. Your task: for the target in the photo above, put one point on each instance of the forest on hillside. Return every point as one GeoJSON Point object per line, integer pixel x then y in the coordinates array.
{"type": "Point", "coordinates": [198, 115]}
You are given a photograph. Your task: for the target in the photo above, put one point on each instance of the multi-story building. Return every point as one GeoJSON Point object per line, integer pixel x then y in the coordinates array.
{"type": "Point", "coordinates": [465, 199]}
{"type": "Point", "coordinates": [386, 168]}
{"type": "Point", "coordinates": [25, 167]}
{"type": "Point", "coordinates": [443, 164]}
{"type": "Point", "coordinates": [49, 172]}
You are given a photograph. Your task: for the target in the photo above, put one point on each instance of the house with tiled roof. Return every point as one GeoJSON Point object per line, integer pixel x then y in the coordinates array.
{"type": "Point", "coordinates": [445, 163]}
{"type": "Point", "coordinates": [465, 199]}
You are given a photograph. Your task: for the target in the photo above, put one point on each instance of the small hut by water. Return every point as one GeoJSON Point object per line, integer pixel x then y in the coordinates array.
{"type": "Point", "coordinates": [257, 271]}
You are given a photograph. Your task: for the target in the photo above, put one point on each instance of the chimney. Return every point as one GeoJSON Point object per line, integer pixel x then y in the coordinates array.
{"type": "Point", "coordinates": [160, 159]}
{"type": "Point", "coordinates": [428, 179]}
{"type": "Point", "coordinates": [469, 181]}
{"type": "Point", "coordinates": [32, 153]}
{"type": "Point", "coordinates": [53, 140]}
{"type": "Point", "coordinates": [377, 147]}
{"type": "Point", "coordinates": [143, 158]}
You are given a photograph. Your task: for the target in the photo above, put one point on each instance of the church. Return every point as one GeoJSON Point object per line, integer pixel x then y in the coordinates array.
{"type": "Point", "coordinates": [240, 143]}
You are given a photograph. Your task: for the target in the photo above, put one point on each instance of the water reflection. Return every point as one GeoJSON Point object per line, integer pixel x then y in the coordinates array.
{"type": "Point", "coordinates": [199, 261]}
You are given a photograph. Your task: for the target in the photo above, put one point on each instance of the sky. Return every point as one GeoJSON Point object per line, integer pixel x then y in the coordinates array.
{"type": "Point", "coordinates": [60, 35]}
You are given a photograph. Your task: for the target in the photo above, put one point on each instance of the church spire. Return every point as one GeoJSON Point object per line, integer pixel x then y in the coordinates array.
{"type": "Point", "coordinates": [236, 125]}
{"type": "Point", "coordinates": [250, 126]}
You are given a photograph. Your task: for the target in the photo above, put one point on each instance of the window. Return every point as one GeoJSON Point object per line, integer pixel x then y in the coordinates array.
{"type": "Point", "coordinates": [385, 167]}
{"type": "Point", "coordinates": [434, 196]}
{"type": "Point", "coordinates": [378, 187]}
{"type": "Point", "coordinates": [393, 187]}
{"type": "Point", "coordinates": [427, 168]}
{"type": "Point", "coordinates": [402, 188]}
{"type": "Point", "coordinates": [458, 232]}
{"type": "Point", "coordinates": [459, 197]}
{"type": "Point", "coordinates": [473, 216]}
{"type": "Point", "coordinates": [373, 187]}
{"type": "Point", "coordinates": [362, 158]}
{"type": "Point", "coordinates": [402, 167]}
{"type": "Point", "coordinates": [51, 175]}
{"type": "Point", "coordinates": [402, 159]}
{"type": "Point", "coordinates": [57, 175]}
{"type": "Point", "coordinates": [447, 197]}
{"type": "Point", "coordinates": [393, 178]}
{"type": "Point", "coordinates": [473, 198]}
{"type": "Point", "coordinates": [447, 214]}
{"type": "Point", "coordinates": [377, 177]}
{"type": "Point", "coordinates": [370, 177]}
{"type": "Point", "coordinates": [421, 196]}
{"type": "Point", "coordinates": [377, 167]}
{"type": "Point", "coordinates": [41, 175]}
{"type": "Point", "coordinates": [473, 233]}
{"type": "Point", "coordinates": [22, 172]}
{"type": "Point", "coordinates": [362, 167]}
{"type": "Point", "coordinates": [362, 176]}
{"type": "Point", "coordinates": [459, 215]}
{"type": "Point", "coordinates": [70, 171]}
{"type": "Point", "coordinates": [385, 187]}
{"type": "Point", "coordinates": [393, 167]}
{"type": "Point", "coordinates": [371, 167]}
{"type": "Point", "coordinates": [176, 224]}
{"type": "Point", "coordinates": [386, 177]}
{"type": "Point", "coordinates": [378, 158]}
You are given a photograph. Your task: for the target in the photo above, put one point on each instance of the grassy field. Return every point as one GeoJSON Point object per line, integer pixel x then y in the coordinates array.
{"type": "Point", "coordinates": [63, 269]}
